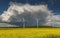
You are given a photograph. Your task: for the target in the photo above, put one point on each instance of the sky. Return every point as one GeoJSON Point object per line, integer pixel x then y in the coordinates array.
{"type": "Point", "coordinates": [52, 4]}
{"type": "Point", "coordinates": [46, 12]}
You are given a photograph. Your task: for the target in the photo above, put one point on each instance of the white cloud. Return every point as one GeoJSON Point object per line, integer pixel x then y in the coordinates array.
{"type": "Point", "coordinates": [7, 25]}
{"type": "Point", "coordinates": [54, 21]}
{"type": "Point", "coordinates": [30, 13]}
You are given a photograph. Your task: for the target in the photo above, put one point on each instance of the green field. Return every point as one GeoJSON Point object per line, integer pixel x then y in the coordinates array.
{"type": "Point", "coordinates": [29, 32]}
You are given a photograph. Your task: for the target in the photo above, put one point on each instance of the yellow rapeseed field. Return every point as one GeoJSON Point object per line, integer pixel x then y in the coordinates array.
{"type": "Point", "coordinates": [28, 32]}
